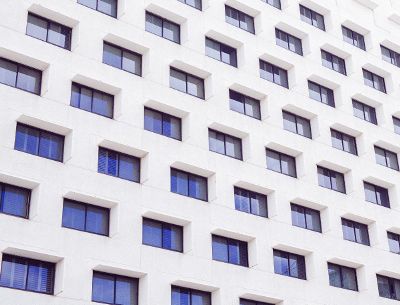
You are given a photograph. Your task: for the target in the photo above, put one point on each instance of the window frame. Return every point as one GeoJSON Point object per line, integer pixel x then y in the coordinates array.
{"type": "Point", "coordinates": [97, 8]}
{"type": "Point", "coordinates": [228, 242]}
{"type": "Point", "coordinates": [374, 119]}
{"type": "Point", "coordinates": [313, 15]}
{"type": "Point", "coordinates": [330, 171]}
{"type": "Point", "coordinates": [341, 276]}
{"type": "Point", "coordinates": [391, 282]}
{"type": "Point", "coordinates": [164, 20]}
{"type": "Point", "coordinates": [190, 292]}
{"type": "Point", "coordinates": [354, 37]}
{"type": "Point", "coordinates": [28, 199]}
{"type": "Point", "coordinates": [387, 152]}
{"type": "Point", "coordinates": [163, 114]}
{"type": "Point", "coordinates": [393, 55]}
{"type": "Point", "coordinates": [296, 117]}
{"type": "Point", "coordinates": [375, 78]}
{"type": "Point", "coordinates": [377, 189]}
{"type": "Point", "coordinates": [396, 124]}
{"type": "Point", "coordinates": [221, 45]}
{"type": "Point", "coordinates": [241, 16]}
{"type": "Point", "coordinates": [243, 98]}
{"type": "Point", "coordinates": [249, 197]}
{"type": "Point", "coordinates": [274, 69]}
{"type": "Point", "coordinates": [305, 209]}
{"type": "Point", "coordinates": [123, 50]}
{"type": "Point", "coordinates": [280, 161]}
{"type": "Point", "coordinates": [330, 58]}
{"type": "Point", "coordinates": [354, 225]}
{"type": "Point", "coordinates": [279, 32]}
{"type": "Point", "coordinates": [279, 6]}
{"type": "Point", "coordinates": [225, 135]}
{"type": "Point", "coordinates": [203, 97]}
{"type": "Point", "coordinates": [341, 134]}
{"type": "Point", "coordinates": [329, 91]}
{"type": "Point", "coordinates": [189, 176]}
{"type": "Point", "coordinates": [197, 8]}
{"type": "Point", "coordinates": [287, 256]}
{"type": "Point", "coordinates": [395, 237]}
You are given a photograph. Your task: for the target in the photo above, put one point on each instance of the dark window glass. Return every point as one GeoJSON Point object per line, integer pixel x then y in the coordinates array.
{"type": "Point", "coordinates": [390, 56]}
{"type": "Point", "coordinates": [274, 74]}
{"type": "Point", "coordinates": [163, 27]}
{"type": "Point", "coordinates": [321, 94]}
{"type": "Point", "coordinates": [108, 7]}
{"type": "Point", "coordinates": [306, 218]}
{"type": "Point", "coordinates": [193, 3]}
{"type": "Point", "coordinates": [344, 142]}
{"type": "Point", "coordinates": [221, 52]}
{"type": "Point", "coordinates": [186, 83]}
{"type": "Point", "coordinates": [274, 3]}
{"type": "Point", "coordinates": [364, 112]}
{"type": "Point", "coordinates": [92, 100]}
{"type": "Point", "coordinates": [296, 124]}
{"type": "Point", "coordinates": [162, 123]}
{"type": "Point", "coordinates": [19, 76]}
{"type": "Point", "coordinates": [239, 19]}
{"type": "Point", "coordinates": [355, 231]}
{"type": "Point", "coordinates": [14, 200]}
{"type": "Point", "coordinates": [376, 194]}
{"type": "Point", "coordinates": [187, 296]}
{"type": "Point", "coordinates": [27, 274]}
{"type": "Point", "coordinates": [114, 289]}
{"type": "Point", "coordinates": [162, 235]}
{"type": "Point", "coordinates": [244, 104]}
{"type": "Point", "coordinates": [225, 144]}
{"type": "Point", "coordinates": [288, 42]}
{"type": "Point", "coordinates": [122, 59]}
{"type": "Point", "coordinates": [388, 287]}
{"type": "Point", "coordinates": [118, 165]}
{"type": "Point", "coordinates": [229, 250]}
{"type": "Point", "coordinates": [331, 179]}
{"type": "Point", "coordinates": [396, 124]}
{"type": "Point", "coordinates": [49, 31]}
{"type": "Point", "coordinates": [374, 80]}
{"type": "Point", "coordinates": [250, 302]}
{"type": "Point", "coordinates": [342, 277]}
{"type": "Point", "coordinates": [353, 38]}
{"type": "Point", "coordinates": [281, 163]}
{"type": "Point", "coordinates": [39, 142]}
{"type": "Point", "coordinates": [394, 242]}
{"type": "Point", "coordinates": [188, 184]}
{"type": "Point", "coordinates": [251, 202]}
{"type": "Point", "coordinates": [312, 17]}
{"type": "Point", "coordinates": [289, 264]}
{"type": "Point", "coordinates": [386, 158]}
{"type": "Point", "coordinates": [333, 62]}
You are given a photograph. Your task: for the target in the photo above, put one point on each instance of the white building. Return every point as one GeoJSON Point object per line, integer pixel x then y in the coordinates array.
{"type": "Point", "coordinates": [202, 115]}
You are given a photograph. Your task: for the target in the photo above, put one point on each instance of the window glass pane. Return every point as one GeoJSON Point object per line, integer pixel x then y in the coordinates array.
{"type": "Point", "coordinates": [153, 121]}
{"type": "Point", "coordinates": [358, 110]}
{"type": "Point", "coordinates": [242, 200]}
{"type": "Point", "coordinates": [213, 49]}
{"type": "Point", "coordinates": [194, 3]}
{"type": "Point", "coordinates": [324, 179]}
{"type": "Point", "coordinates": [13, 272]}
{"type": "Point", "coordinates": [349, 278]}
{"type": "Point", "coordinates": [380, 156]}
{"type": "Point", "coordinates": [103, 104]}
{"type": "Point", "coordinates": [112, 56]}
{"type": "Point", "coordinates": [233, 147]}
{"type": "Point", "coordinates": [228, 55]}
{"type": "Point", "coordinates": [172, 237]}
{"type": "Point", "coordinates": [298, 217]}
{"type": "Point", "coordinates": [361, 232]}
{"type": "Point", "coordinates": [348, 230]}
{"type": "Point", "coordinates": [179, 182]}
{"type": "Point", "coordinates": [198, 187]}
{"type": "Point", "coordinates": [337, 182]}
{"type": "Point", "coordinates": [27, 139]}
{"type": "Point", "coordinates": [73, 215]}
{"type": "Point", "coordinates": [126, 292]}
{"type": "Point", "coordinates": [273, 161]}
{"type": "Point", "coordinates": [382, 196]}
{"type": "Point", "coordinates": [384, 286]}
{"type": "Point", "coordinates": [40, 277]}
{"type": "Point", "coordinates": [75, 94]}
{"type": "Point", "coordinates": [252, 108]}
{"type": "Point", "coordinates": [288, 165]}
{"type": "Point", "coordinates": [8, 72]}
{"type": "Point", "coordinates": [152, 233]}
{"type": "Point", "coordinates": [97, 220]}
{"type": "Point", "coordinates": [294, 267]}
{"type": "Point", "coordinates": [303, 127]}
{"type": "Point", "coordinates": [108, 7]}
{"type": "Point", "coordinates": [232, 16]}
{"type": "Point", "coordinates": [313, 220]}
{"type": "Point", "coordinates": [51, 146]}
{"type": "Point", "coordinates": [216, 142]}
{"type": "Point", "coordinates": [336, 138]}
{"type": "Point", "coordinates": [314, 92]}
{"type": "Point", "coordinates": [36, 27]}
{"type": "Point", "coordinates": [172, 127]}
{"type": "Point", "coordinates": [295, 45]}
{"type": "Point", "coordinates": [391, 159]}
{"type": "Point", "coordinates": [282, 78]}
{"type": "Point", "coordinates": [281, 263]}
{"type": "Point", "coordinates": [289, 122]}
{"type": "Point", "coordinates": [281, 39]}
{"type": "Point", "coordinates": [177, 80]}
{"type": "Point", "coordinates": [394, 242]}
{"type": "Point", "coordinates": [266, 71]}
{"type": "Point", "coordinates": [59, 35]}
{"type": "Point", "coordinates": [131, 62]}
{"type": "Point", "coordinates": [236, 101]}
{"type": "Point", "coordinates": [154, 24]}
{"type": "Point", "coordinates": [171, 31]}
{"type": "Point", "coordinates": [29, 79]}
{"type": "Point", "coordinates": [111, 163]}
{"type": "Point", "coordinates": [219, 249]}
{"type": "Point", "coordinates": [247, 23]}
{"type": "Point", "coordinates": [128, 168]}
{"type": "Point", "coordinates": [396, 123]}
{"type": "Point", "coordinates": [370, 194]}
{"type": "Point", "coordinates": [200, 298]}
{"type": "Point", "coordinates": [103, 288]}
{"type": "Point", "coordinates": [89, 3]}
{"type": "Point", "coordinates": [15, 201]}
{"type": "Point", "coordinates": [334, 275]}
{"type": "Point", "coordinates": [85, 101]}
{"type": "Point", "coordinates": [258, 204]}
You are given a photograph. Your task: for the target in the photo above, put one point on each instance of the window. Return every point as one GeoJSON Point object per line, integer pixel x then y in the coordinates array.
{"type": "Point", "coordinates": [20, 76]}
{"type": "Point", "coordinates": [396, 124]}
{"type": "Point", "coordinates": [353, 38]}
{"type": "Point", "coordinates": [188, 184]}
{"type": "Point", "coordinates": [376, 194]}
{"type": "Point", "coordinates": [342, 277]}
{"type": "Point", "coordinates": [288, 42]}
{"type": "Point", "coordinates": [108, 7]}
{"type": "Point", "coordinates": [281, 163]}
{"type": "Point", "coordinates": [39, 142]}
{"type": "Point", "coordinates": [193, 3]}
{"type": "Point", "coordinates": [14, 200]}
{"type": "Point", "coordinates": [386, 158]}
{"type": "Point", "coordinates": [244, 104]}
{"type": "Point", "coordinates": [251, 202]}
{"type": "Point", "coordinates": [296, 124]}
{"type": "Point", "coordinates": [364, 112]}
{"type": "Point", "coordinates": [374, 81]}
{"type": "Point", "coordinates": [331, 179]}
{"type": "Point", "coordinates": [92, 100]}
{"type": "Point", "coordinates": [122, 59]}
{"type": "Point", "coordinates": [27, 274]}
{"type": "Point", "coordinates": [344, 142]}
{"type": "Point", "coordinates": [333, 62]}
{"type": "Point", "coordinates": [355, 232]}
{"type": "Point", "coordinates": [225, 144]}
{"type": "Point", "coordinates": [186, 83]}
{"type": "Point", "coordinates": [249, 302]}
{"type": "Point", "coordinates": [49, 31]}
{"type": "Point", "coordinates": [114, 289]}
{"type": "Point", "coordinates": [394, 242]}
{"type": "Point", "coordinates": [274, 74]}
{"type": "Point", "coordinates": [321, 94]}
{"type": "Point", "coordinates": [312, 17]}
{"type": "Point", "coordinates": [221, 52]}
{"type": "Point", "coordinates": [239, 19]}
{"type": "Point", "coordinates": [229, 250]}
{"type": "Point", "coordinates": [119, 165]}
{"type": "Point", "coordinates": [306, 218]}
{"type": "Point", "coordinates": [390, 56]}
{"type": "Point", "coordinates": [274, 3]}
{"type": "Point", "coordinates": [85, 217]}
{"type": "Point", "coordinates": [388, 287]}
{"type": "Point", "coordinates": [163, 27]}
{"type": "Point", "coordinates": [187, 296]}
{"type": "Point", "coordinates": [162, 123]}
{"type": "Point", "coordinates": [289, 264]}
{"type": "Point", "coordinates": [162, 235]}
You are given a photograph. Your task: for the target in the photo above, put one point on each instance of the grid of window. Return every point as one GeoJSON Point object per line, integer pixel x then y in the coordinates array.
{"type": "Point", "coordinates": [288, 41]}
{"type": "Point", "coordinates": [119, 165]}
{"type": "Point", "coordinates": [162, 235]}
{"type": "Point", "coordinates": [274, 74]}
{"type": "Point", "coordinates": [108, 7]}
{"type": "Point", "coordinates": [331, 179]}
{"type": "Point", "coordinates": [229, 250]}
{"type": "Point", "coordinates": [394, 242]}
{"type": "Point", "coordinates": [122, 59]}
{"type": "Point", "coordinates": [386, 158]}
{"type": "Point", "coordinates": [374, 81]}
{"type": "Point", "coordinates": [289, 264]}
{"type": "Point", "coordinates": [296, 124]}
{"type": "Point", "coordinates": [244, 104]}
{"type": "Point", "coordinates": [321, 94]}
{"type": "Point", "coordinates": [187, 296]}
{"type": "Point", "coordinates": [376, 194]}
{"type": "Point", "coordinates": [251, 202]}
{"type": "Point", "coordinates": [163, 27]}
{"type": "Point", "coordinates": [281, 163]}
{"type": "Point", "coordinates": [225, 144]}
{"type": "Point", "coordinates": [388, 287]}
{"type": "Point", "coordinates": [187, 83]}
{"type": "Point", "coordinates": [343, 141]}
{"type": "Point", "coordinates": [306, 218]}
{"type": "Point", "coordinates": [355, 231]}
{"type": "Point", "coordinates": [162, 123]}
{"type": "Point", "coordinates": [390, 56]}
{"type": "Point", "coordinates": [274, 3]}
{"type": "Point", "coordinates": [396, 124]}
{"type": "Point", "coordinates": [188, 184]}
{"type": "Point", "coordinates": [312, 17]}
{"type": "Point", "coordinates": [333, 62]}
{"type": "Point", "coordinates": [14, 200]}
{"type": "Point", "coordinates": [239, 19]}
{"type": "Point", "coordinates": [221, 52]}
{"type": "Point", "coordinates": [193, 3]}
{"type": "Point", "coordinates": [353, 38]}
{"type": "Point", "coordinates": [342, 277]}
{"type": "Point", "coordinates": [364, 112]}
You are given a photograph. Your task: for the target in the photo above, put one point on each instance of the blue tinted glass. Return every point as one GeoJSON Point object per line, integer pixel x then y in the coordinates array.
{"type": "Point", "coordinates": [153, 121]}
{"type": "Point", "coordinates": [75, 93]}
{"type": "Point", "coordinates": [13, 273]}
{"type": "Point", "coordinates": [85, 99]}
{"type": "Point", "coordinates": [172, 237]}
{"type": "Point", "coordinates": [15, 201]}
{"type": "Point", "coordinates": [103, 288]}
{"type": "Point", "coordinates": [89, 3]}
{"type": "Point", "coordinates": [97, 220]}
{"type": "Point", "coordinates": [29, 79]}
{"type": "Point", "coordinates": [179, 183]}
{"type": "Point", "coordinates": [108, 7]}
{"type": "Point", "coordinates": [102, 104]}
{"type": "Point", "coordinates": [8, 72]}
{"type": "Point", "coordinates": [73, 215]}
{"type": "Point", "coordinates": [51, 146]}
{"type": "Point", "coordinates": [281, 264]}
{"type": "Point", "coordinates": [234, 255]}
{"type": "Point", "coordinates": [112, 163]}
{"type": "Point", "coordinates": [219, 249]}
{"type": "Point", "coordinates": [125, 291]}
{"type": "Point", "coordinates": [154, 24]}
{"type": "Point", "coordinates": [152, 233]}
{"type": "Point", "coordinates": [180, 296]}
{"type": "Point", "coordinates": [40, 277]}
{"type": "Point", "coordinates": [128, 168]}
{"type": "Point", "coordinates": [197, 188]}
{"type": "Point", "coordinates": [200, 298]}
{"type": "Point", "coordinates": [112, 56]}
{"type": "Point", "coordinates": [36, 27]}
{"type": "Point", "coordinates": [27, 139]}
{"type": "Point", "coordinates": [242, 201]}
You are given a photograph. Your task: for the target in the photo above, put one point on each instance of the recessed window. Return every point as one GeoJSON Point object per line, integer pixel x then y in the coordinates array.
{"type": "Point", "coordinates": [229, 250]}
{"type": "Point", "coordinates": [163, 27]}
{"type": "Point", "coordinates": [386, 158]}
{"type": "Point", "coordinates": [20, 76]}
{"type": "Point", "coordinates": [331, 179]}
{"type": "Point", "coordinates": [353, 38]}
{"type": "Point", "coordinates": [250, 302]}
{"type": "Point", "coordinates": [296, 124]}
{"type": "Point", "coordinates": [388, 287]}
{"type": "Point", "coordinates": [289, 264]}
{"type": "Point", "coordinates": [396, 124]}
{"type": "Point", "coordinates": [374, 81]}
{"type": "Point", "coordinates": [274, 74]}
{"type": "Point", "coordinates": [114, 289]}
{"type": "Point", "coordinates": [274, 3]}
{"type": "Point", "coordinates": [39, 142]}
{"type": "Point", "coordinates": [355, 232]}
{"type": "Point", "coordinates": [187, 83]}
{"type": "Point", "coordinates": [27, 274]}
{"type": "Point", "coordinates": [49, 31]}
{"type": "Point", "coordinates": [312, 17]}
{"type": "Point", "coordinates": [119, 165]}
{"type": "Point", "coordinates": [122, 59]}
{"type": "Point", "coordinates": [364, 112]}
{"type": "Point", "coordinates": [187, 296]}
{"type": "Point", "coordinates": [251, 202]}
{"type": "Point", "coordinates": [162, 235]}
{"type": "Point", "coordinates": [394, 242]}
{"type": "Point", "coordinates": [85, 217]}
{"type": "Point", "coordinates": [333, 62]}
{"type": "Point", "coordinates": [221, 52]}
{"type": "Point", "coordinates": [321, 94]}
{"type": "Point", "coordinates": [342, 277]}
{"type": "Point", "coordinates": [188, 184]}
{"type": "Point", "coordinates": [390, 56]}
{"type": "Point", "coordinates": [108, 7]}
{"type": "Point", "coordinates": [225, 144]}
{"type": "Point", "coordinates": [14, 200]}
{"type": "Point", "coordinates": [92, 100]}
{"type": "Point", "coordinates": [162, 123]}
{"type": "Point", "coordinates": [281, 163]}
{"type": "Point", "coordinates": [288, 41]}
{"type": "Point", "coordinates": [343, 141]}
{"type": "Point", "coordinates": [193, 3]}
{"type": "Point", "coordinates": [306, 218]}
{"type": "Point", "coordinates": [244, 104]}
{"type": "Point", "coordinates": [239, 19]}
{"type": "Point", "coordinates": [376, 194]}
